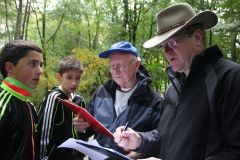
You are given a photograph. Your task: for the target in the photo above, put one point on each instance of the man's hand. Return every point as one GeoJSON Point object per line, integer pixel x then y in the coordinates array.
{"type": "Point", "coordinates": [151, 158]}
{"type": "Point", "coordinates": [134, 155]}
{"type": "Point", "coordinates": [128, 140]}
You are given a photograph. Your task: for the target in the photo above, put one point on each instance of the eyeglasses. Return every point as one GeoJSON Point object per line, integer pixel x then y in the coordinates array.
{"type": "Point", "coordinates": [173, 42]}
{"type": "Point", "coordinates": [121, 67]}
{"type": "Point", "coordinates": [169, 43]}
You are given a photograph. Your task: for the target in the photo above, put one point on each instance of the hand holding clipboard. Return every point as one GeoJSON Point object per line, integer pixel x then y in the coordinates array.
{"type": "Point", "coordinates": [94, 123]}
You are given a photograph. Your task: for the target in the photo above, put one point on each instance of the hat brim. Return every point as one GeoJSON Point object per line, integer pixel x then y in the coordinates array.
{"type": "Point", "coordinates": [106, 54]}
{"type": "Point", "coordinates": [207, 18]}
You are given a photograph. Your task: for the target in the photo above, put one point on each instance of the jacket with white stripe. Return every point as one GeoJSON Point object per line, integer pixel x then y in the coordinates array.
{"type": "Point", "coordinates": [55, 126]}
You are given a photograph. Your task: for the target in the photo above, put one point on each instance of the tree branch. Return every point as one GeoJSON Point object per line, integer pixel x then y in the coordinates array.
{"type": "Point", "coordinates": [59, 26]}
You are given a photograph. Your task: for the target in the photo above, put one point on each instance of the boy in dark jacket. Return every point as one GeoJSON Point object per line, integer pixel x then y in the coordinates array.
{"type": "Point", "coordinates": [21, 67]}
{"type": "Point", "coordinates": [55, 119]}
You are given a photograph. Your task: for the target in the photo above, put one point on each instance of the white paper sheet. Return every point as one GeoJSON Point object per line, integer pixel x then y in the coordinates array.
{"type": "Point", "coordinates": [94, 155]}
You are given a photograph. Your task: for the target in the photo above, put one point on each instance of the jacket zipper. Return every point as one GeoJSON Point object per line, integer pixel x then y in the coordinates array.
{"type": "Point", "coordinates": [173, 116]}
{"type": "Point", "coordinates": [32, 124]}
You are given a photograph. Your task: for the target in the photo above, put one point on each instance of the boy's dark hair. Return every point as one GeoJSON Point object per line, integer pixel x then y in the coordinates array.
{"type": "Point", "coordinates": [69, 63]}
{"type": "Point", "coordinates": [15, 50]}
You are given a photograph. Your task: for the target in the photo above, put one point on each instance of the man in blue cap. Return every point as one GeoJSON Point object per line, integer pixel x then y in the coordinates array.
{"type": "Point", "coordinates": [125, 99]}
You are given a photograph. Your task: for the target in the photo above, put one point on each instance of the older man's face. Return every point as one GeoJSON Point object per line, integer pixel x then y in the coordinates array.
{"type": "Point", "coordinates": [123, 69]}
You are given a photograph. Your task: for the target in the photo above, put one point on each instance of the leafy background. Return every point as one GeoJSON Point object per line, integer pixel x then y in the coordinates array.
{"type": "Point", "coordinates": [84, 28]}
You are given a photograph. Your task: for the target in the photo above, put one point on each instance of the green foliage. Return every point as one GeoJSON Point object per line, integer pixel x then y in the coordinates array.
{"type": "Point", "coordinates": [155, 62]}
{"type": "Point", "coordinates": [95, 71]}
{"type": "Point", "coordinates": [84, 27]}
{"type": "Point", "coordinates": [229, 28]}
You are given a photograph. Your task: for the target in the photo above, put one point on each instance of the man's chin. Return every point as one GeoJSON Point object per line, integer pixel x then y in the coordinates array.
{"type": "Point", "coordinates": [120, 84]}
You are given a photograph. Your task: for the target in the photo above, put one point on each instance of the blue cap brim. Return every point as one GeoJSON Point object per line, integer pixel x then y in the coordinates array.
{"type": "Point", "coordinates": [106, 54]}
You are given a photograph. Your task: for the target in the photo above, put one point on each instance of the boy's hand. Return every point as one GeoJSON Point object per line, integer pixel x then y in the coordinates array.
{"type": "Point", "coordinates": [80, 125]}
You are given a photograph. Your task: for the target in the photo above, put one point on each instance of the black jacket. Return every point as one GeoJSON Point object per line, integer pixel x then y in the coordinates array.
{"type": "Point", "coordinates": [55, 126]}
{"type": "Point", "coordinates": [142, 112]}
{"type": "Point", "coordinates": [17, 122]}
{"type": "Point", "coordinates": [200, 115]}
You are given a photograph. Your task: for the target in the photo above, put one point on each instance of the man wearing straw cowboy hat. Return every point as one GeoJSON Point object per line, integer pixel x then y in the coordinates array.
{"type": "Point", "coordinates": [200, 114]}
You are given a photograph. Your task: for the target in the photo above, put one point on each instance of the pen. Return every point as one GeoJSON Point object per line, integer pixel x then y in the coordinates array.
{"type": "Point", "coordinates": [124, 129]}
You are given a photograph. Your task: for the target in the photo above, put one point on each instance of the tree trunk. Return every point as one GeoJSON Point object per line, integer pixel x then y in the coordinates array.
{"type": "Point", "coordinates": [6, 21]}
{"type": "Point", "coordinates": [26, 19]}
{"type": "Point", "coordinates": [125, 22]}
{"type": "Point", "coordinates": [88, 31]}
{"type": "Point", "coordinates": [41, 33]}
{"type": "Point", "coordinates": [137, 13]}
{"type": "Point", "coordinates": [233, 49]}
{"type": "Point", "coordinates": [18, 29]}
{"type": "Point", "coordinates": [152, 21]}
{"type": "Point", "coordinates": [95, 39]}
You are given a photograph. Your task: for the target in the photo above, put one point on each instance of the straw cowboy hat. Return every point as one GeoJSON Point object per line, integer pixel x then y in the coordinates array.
{"type": "Point", "coordinates": [176, 17]}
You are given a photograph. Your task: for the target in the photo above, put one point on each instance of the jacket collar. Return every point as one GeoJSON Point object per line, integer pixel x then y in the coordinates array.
{"type": "Point", "coordinates": [17, 88]}
{"type": "Point", "coordinates": [207, 56]}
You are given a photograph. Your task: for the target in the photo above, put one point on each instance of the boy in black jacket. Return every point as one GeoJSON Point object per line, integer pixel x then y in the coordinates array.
{"type": "Point", "coordinates": [21, 66]}
{"type": "Point", "coordinates": [55, 119]}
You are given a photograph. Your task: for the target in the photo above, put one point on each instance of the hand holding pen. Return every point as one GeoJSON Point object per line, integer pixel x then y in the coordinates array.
{"type": "Point", "coordinates": [129, 140]}
{"type": "Point", "coordinates": [124, 129]}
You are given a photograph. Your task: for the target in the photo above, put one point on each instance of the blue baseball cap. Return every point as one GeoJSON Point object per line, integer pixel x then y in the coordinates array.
{"type": "Point", "coordinates": [123, 47]}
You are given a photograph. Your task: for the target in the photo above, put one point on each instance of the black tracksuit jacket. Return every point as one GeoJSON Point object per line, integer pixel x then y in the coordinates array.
{"type": "Point", "coordinates": [17, 122]}
{"type": "Point", "coordinates": [55, 126]}
{"type": "Point", "coordinates": [200, 115]}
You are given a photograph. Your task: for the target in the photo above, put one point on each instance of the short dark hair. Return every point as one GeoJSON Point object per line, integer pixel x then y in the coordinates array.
{"type": "Point", "coordinates": [190, 29]}
{"type": "Point", "coordinates": [15, 50]}
{"type": "Point", "coordinates": [69, 63]}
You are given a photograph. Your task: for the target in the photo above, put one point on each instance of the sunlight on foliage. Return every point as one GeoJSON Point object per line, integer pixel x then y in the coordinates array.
{"type": "Point", "coordinates": [95, 70]}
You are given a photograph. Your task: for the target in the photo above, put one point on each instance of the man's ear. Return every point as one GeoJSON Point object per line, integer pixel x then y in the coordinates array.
{"type": "Point", "coordinates": [9, 68]}
{"type": "Point", "coordinates": [198, 35]}
{"type": "Point", "coordinates": [138, 63]}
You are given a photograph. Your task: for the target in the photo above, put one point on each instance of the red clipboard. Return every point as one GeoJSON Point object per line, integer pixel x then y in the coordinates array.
{"type": "Point", "coordinates": [94, 123]}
